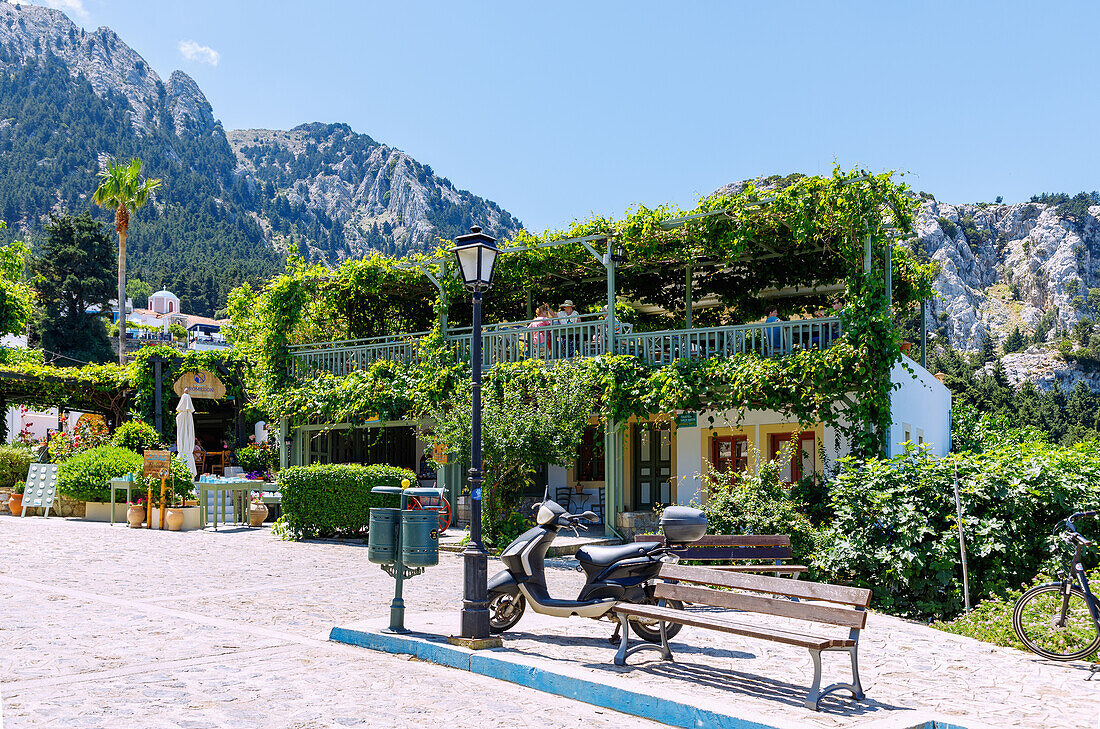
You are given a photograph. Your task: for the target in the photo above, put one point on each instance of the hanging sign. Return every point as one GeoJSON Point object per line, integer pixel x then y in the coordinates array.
{"type": "Point", "coordinates": [157, 463]}
{"type": "Point", "coordinates": [439, 453]}
{"type": "Point", "coordinates": [687, 420]}
{"type": "Point", "coordinates": [200, 383]}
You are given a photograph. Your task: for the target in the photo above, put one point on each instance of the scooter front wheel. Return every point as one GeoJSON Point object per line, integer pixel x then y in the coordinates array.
{"type": "Point", "coordinates": [650, 630]}
{"type": "Point", "coordinates": [505, 611]}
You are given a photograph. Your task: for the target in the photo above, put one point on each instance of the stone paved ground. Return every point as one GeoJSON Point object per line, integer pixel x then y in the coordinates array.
{"type": "Point", "coordinates": [106, 627]}
{"type": "Point", "coordinates": [112, 627]}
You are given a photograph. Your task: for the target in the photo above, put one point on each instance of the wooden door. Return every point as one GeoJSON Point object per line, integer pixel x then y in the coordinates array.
{"type": "Point", "coordinates": [652, 465]}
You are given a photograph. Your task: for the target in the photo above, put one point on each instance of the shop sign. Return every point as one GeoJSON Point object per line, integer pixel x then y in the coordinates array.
{"type": "Point", "coordinates": [439, 453]}
{"type": "Point", "coordinates": [200, 383]}
{"type": "Point", "coordinates": [157, 463]}
{"type": "Point", "coordinates": [687, 420]}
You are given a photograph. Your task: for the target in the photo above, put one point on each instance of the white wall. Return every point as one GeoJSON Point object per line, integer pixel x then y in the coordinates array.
{"type": "Point", "coordinates": [921, 404]}
{"type": "Point", "coordinates": [689, 461]}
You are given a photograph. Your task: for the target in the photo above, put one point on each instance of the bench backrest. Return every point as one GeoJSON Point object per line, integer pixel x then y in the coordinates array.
{"type": "Point", "coordinates": [702, 582]}
{"type": "Point", "coordinates": [722, 548]}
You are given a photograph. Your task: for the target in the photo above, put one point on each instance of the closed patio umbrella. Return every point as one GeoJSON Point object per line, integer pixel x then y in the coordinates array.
{"type": "Point", "coordinates": [185, 432]}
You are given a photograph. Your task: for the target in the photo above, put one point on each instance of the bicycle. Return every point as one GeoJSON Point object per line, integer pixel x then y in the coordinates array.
{"type": "Point", "coordinates": [1061, 620]}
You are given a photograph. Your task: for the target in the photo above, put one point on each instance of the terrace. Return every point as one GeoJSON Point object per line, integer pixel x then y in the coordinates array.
{"type": "Point", "coordinates": [516, 341]}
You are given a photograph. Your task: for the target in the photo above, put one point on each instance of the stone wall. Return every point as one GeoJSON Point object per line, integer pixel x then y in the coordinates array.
{"type": "Point", "coordinates": [630, 523]}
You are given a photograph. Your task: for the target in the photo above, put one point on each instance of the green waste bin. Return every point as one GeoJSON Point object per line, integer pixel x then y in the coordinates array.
{"type": "Point", "coordinates": [382, 537]}
{"type": "Point", "coordinates": [419, 537]}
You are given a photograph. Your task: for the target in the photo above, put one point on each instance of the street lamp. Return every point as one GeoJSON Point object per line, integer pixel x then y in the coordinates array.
{"type": "Point", "coordinates": [477, 258]}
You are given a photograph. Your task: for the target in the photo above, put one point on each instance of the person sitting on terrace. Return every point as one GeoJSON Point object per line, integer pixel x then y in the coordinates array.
{"type": "Point", "coordinates": [568, 315]}
{"type": "Point", "coordinates": [774, 334]}
{"type": "Point", "coordinates": [542, 319]}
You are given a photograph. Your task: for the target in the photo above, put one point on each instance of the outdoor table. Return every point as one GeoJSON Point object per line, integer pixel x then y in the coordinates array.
{"type": "Point", "coordinates": [118, 484]}
{"type": "Point", "coordinates": [244, 487]}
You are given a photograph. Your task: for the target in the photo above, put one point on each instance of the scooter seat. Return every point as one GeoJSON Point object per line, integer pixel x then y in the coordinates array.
{"type": "Point", "coordinates": [595, 556]}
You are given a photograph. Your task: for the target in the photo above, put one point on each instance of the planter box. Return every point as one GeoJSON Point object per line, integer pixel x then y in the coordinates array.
{"type": "Point", "coordinates": [101, 511]}
{"type": "Point", "coordinates": [190, 519]}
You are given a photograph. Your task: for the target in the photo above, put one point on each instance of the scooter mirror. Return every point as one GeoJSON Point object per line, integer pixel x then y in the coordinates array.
{"type": "Point", "coordinates": [589, 516]}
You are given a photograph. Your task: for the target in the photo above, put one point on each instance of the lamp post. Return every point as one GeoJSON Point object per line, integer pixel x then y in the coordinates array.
{"type": "Point", "coordinates": [477, 257]}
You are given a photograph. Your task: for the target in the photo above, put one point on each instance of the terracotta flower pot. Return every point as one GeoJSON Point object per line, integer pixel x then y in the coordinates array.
{"type": "Point", "coordinates": [257, 514]}
{"type": "Point", "coordinates": [15, 504]}
{"type": "Point", "coordinates": [174, 519]}
{"type": "Point", "coordinates": [135, 515]}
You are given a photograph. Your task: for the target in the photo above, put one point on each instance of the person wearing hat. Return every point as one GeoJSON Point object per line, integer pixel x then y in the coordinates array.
{"type": "Point", "coordinates": [568, 315]}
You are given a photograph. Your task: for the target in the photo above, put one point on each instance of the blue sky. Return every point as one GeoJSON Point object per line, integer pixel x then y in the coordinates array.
{"type": "Point", "coordinates": [557, 110]}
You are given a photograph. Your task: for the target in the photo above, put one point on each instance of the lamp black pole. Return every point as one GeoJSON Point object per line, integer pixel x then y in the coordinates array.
{"type": "Point", "coordinates": [475, 596]}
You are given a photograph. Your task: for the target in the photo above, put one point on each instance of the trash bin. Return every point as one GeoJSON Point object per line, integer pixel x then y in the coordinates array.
{"type": "Point", "coordinates": [382, 537]}
{"type": "Point", "coordinates": [419, 537]}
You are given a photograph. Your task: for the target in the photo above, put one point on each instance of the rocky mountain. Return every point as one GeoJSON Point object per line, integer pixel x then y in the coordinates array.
{"type": "Point", "coordinates": [1003, 266]}
{"type": "Point", "coordinates": [231, 203]}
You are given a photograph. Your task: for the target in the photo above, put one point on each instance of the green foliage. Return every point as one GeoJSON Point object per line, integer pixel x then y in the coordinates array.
{"type": "Point", "coordinates": [975, 237]}
{"type": "Point", "coordinates": [895, 526]}
{"type": "Point", "coordinates": [1043, 327]}
{"type": "Point", "coordinates": [73, 270]}
{"type": "Point", "coordinates": [179, 484]}
{"type": "Point", "coordinates": [83, 436]}
{"type": "Point", "coordinates": [15, 461]}
{"type": "Point", "coordinates": [20, 487]}
{"type": "Point", "coordinates": [87, 476]}
{"type": "Point", "coordinates": [1075, 209]}
{"type": "Point", "coordinates": [139, 291]}
{"type": "Point", "coordinates": [16, 297]}
{"type": "Point", "coordinates": [261, 457]}
{"type": "Point", "coordinates": [335, 499]}
{"type": "Point", "coordinates": [177, 331]}
{"type": "Point", "coordinates": [758, 503]}
{"type": "Point", "coordinates": [989, 621]}
{"type": "Point", "coordinates": [137, 436]}
{"type": "Point", "coordinates": [1014, 342]}
{"type": "Point", "coordinates": [142, 377]}
{"type": "Point", "coordinates": [948, 227]}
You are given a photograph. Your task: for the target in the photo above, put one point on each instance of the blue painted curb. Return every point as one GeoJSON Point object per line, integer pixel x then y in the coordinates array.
{"type": "Point", "coordinates": [495, 665]}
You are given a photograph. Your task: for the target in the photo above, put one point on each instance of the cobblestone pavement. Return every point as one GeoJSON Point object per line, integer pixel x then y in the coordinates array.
{"type": "Point", "coordinates": [106, 627]}
{"type": "Point", "coordinates": [111, 627]}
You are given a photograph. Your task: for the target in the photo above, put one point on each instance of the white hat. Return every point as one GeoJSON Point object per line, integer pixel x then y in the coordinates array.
{"type": "Point", "coordinates": [569, 303]}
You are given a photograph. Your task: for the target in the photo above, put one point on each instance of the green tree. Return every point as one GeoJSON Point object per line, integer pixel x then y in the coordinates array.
{"type": "Point", "coordinates": [72, 272]}
{"type": "Point", "coordinates": [1014, 342]}
{"type": "Point", "coordinates": [139, 291]}
{"type": "Point", "coordinates": [123, 188]}
{"type": "Point", "coordinates": [16, 297]}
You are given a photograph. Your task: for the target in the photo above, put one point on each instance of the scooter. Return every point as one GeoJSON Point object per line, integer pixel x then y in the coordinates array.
{"type": "Point", "coordinates": [625, 573]}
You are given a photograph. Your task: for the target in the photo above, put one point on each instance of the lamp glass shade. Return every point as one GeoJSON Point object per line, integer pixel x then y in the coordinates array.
{"type": "Point", "coordinates": [477, 259]}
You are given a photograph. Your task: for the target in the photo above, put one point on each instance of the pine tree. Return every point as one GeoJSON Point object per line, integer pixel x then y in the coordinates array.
{"type": "Point", "coordinates": [1014, 342]}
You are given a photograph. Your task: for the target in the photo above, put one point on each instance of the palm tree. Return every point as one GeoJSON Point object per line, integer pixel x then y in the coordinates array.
{"type": "Point", "coordinates": [121, 187]}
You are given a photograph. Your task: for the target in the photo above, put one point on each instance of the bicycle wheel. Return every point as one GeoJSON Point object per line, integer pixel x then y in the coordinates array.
{"type": "Point", "coordinates": [1055, 626]}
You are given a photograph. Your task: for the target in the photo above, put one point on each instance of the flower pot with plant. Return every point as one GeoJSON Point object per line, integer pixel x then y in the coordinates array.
{"type": "Point", "coordinates": [135, 515]}
{"type": "Point", "coordinates": [258, 511]}
{"type": "Point", "coordinates": [15, 501]}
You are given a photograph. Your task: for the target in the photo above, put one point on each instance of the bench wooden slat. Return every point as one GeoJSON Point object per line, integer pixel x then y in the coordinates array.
{"type": "Point", "coordinates": [816, 613]}
{"type": "Point", "coordinates": [785, 569]}
{"type": "Point", "coordinates": [857, 596]}
{"type": "Point", "coordinates": [700, 620]}
{"type": "Point", "coordinates": [727, 553]}
{"type": "Point", "coordinates": [727, 540]}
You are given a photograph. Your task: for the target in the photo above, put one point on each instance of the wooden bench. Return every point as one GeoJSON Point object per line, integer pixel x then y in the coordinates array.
{"type": "Point", "coordinates": [833, 605]}
{"type": "Point", "coordinates": [738, 548]}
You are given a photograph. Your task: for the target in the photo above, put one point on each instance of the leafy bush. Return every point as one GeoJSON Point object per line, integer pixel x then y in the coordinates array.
{"type": "Point", "coordinates": [757, 503]}
{"type": "Point", "coordinates": [84, 436]}
{"type": "Point", "coordinates": [895, 529]}
{"type": "Point", "coordinates": [948, 227]}
{"type": "Point", "coordinates": [326, 500]}
{"type": "Point", "coordinates": [20, 487]}
{"type": "Point", "coordinates": [257, 457]}
{"type": "Point", "coordinates": [137, 436]}
{"type": "Point", "coordinates": [87, 475]}
{"type": "Point", "coordinates": [15, 461]}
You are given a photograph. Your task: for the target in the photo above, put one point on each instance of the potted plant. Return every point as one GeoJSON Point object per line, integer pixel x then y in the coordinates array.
{"type": "Point", "coordinates": [135, 514]}
{"type": "Point", "coordinates": [258, 511]}
{"type": "Point", "coordinates": [15, 501]}
{"type": "Point", "coordinates": [174, 516]}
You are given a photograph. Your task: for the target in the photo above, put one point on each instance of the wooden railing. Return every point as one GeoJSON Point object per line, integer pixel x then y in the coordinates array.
{"type": "Point", "coordinates": [517, 341]}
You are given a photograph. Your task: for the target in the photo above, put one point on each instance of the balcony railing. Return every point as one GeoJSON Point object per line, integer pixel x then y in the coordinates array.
{"type": "Point", "coordinates": [517, 341]}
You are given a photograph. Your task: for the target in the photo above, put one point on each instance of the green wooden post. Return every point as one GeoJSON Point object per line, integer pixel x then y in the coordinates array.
{"type": "Point", "coordinates": [889, 256]}
{"type": "Point", "coordinates": [610, 265]}
{"type": "Point", "coordinates": [613, 474]}
{"type": "Point", "coordinates": [687, 297]}
{"type": "Point", "coordinates": [530, 306]}
{"type": "Point", "coordinates": [284, 430]}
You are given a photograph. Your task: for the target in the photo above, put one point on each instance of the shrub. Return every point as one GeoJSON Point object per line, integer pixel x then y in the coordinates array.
{"type": "Point", "coordinates": [895, 529]}
{"type": "Point", "coordinates": [84, 436]}
{"type": "Point", "coordinates": [137, 436]}
{"type": "Point", "coordinates": [255, 457]}
{"type": "Point", "coordinates": [326, 500]}
{"type": "Point", "coordinates": [948, 227]}
{"type": "Point", "coordinates": [15, 461]}
{"type": "Point", "coordinates": [86, 476]}
{"type": "Point", "coordinates": [757, 503]}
